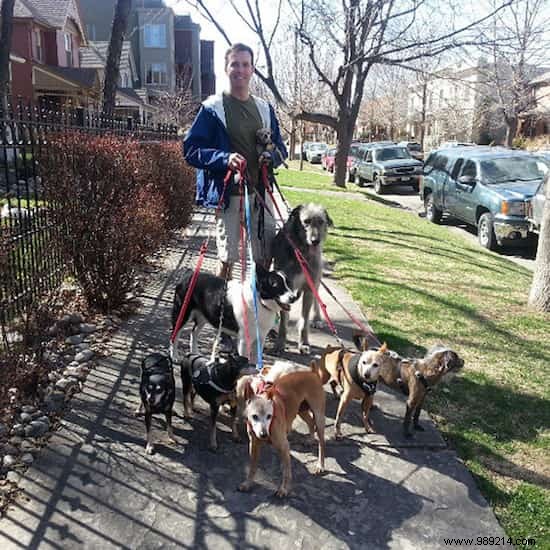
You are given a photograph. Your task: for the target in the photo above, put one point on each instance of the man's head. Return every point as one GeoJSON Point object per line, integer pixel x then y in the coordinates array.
{"type": "Point", "coordinates": [239, 67]}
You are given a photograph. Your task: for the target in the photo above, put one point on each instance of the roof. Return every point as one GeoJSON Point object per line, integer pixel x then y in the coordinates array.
{"type": "Point", "coordinates": [131, 93]}
{"type": "Point", "coordinates": [83, 77]}
{"type": "Point", "coordinates": [24, 9]}
{"type": "Point", "coordinates": [481, 152]}
{"type": "Point", "coordinates": [95, 55]}
{"type": "Point", "coordinates": [51, 12]}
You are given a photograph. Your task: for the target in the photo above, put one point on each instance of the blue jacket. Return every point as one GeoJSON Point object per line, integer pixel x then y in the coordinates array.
{"type": "Point", "coordinates": [206, 147]}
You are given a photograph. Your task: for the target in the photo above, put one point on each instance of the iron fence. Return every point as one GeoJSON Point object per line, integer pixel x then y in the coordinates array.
{"type": "Point", "coordinates": [30, 262]}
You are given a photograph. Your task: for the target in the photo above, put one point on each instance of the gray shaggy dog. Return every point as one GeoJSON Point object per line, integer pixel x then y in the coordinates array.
{"type": "Point", "coordinates": [307, 228]}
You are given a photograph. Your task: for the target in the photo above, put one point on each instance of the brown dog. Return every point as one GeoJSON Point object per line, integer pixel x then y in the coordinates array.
{"type": "Point", "coordinates": [271, 410]}
{"type": "Point", "coordinates": [357, 375]}
{"type": "Point", "coordinates": [416, 377]}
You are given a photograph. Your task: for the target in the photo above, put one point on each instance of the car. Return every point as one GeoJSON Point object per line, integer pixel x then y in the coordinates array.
{"type": "Point", "coordinates": [329, 158]}
{"type": "Point", "coordinates": [453, 143]}
{"type": "Point", "coordinates": [415, 149]}
{"type": "Point", "coordinates": [385, 165]}
{"type": "Point", "coordinates": [357, 149]}
{"type": "Point", "coordinates": [314, 153]}
{"type": "Point", "coordinates": [486, 187]}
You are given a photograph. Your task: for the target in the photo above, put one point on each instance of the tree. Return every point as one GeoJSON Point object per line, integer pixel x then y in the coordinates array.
{"type": "Point", "coordinates": [518, 49]}
{"type": "Point", "coordinates": [5, 46]}
{"type": "Point", "coordinates": [358, 35]}
{"type": "Point", "coordinates": [120, 23]}
{"type": "Point", "coordinates": [178, 107]}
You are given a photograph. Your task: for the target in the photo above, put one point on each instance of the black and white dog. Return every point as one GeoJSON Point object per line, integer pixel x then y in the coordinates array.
{"type": "Point", "coordinates": [158, 391]}
{"type": "Point", "coordinates": [215, 383]}
{"type": "Point", "coordinates": [208, 301]}
{"type": "Point", "coordinates": [307, 228]}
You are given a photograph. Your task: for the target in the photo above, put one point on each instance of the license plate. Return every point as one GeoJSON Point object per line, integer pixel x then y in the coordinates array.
{"type": "Point", "coordinates": [405, 178]}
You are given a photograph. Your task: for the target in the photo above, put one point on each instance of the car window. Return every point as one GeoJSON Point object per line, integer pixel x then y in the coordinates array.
{"type": "Point", "coordinates": [440, 163]}
{"type": "Point", "coordinates": [456, 168]}
{"type": "Point", "coordinates": [391, 153]}
{"type": "Point", "coordinates": [369, 156]}
{"type": "Point", "coordinates": [507, 169]}
{"type": "Point", "coordinates": [469, 169]}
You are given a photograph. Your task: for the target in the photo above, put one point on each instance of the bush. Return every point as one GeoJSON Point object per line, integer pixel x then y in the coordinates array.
{"type": "Point", "coordinates": [108, 213]}
{"type": "Point", "coordinates": [173, 179]}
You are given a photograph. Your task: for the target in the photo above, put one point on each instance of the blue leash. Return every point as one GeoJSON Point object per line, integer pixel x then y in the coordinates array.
{"type": "Point", "coordinates": [248, 217]}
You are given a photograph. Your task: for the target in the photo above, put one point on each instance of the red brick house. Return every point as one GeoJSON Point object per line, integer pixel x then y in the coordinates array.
{"type": "Point", "coordinates": [47, 35]}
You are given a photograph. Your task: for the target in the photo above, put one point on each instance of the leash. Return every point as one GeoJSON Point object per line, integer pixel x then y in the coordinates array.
{"type": "Point", "coordinates": [193, 282]}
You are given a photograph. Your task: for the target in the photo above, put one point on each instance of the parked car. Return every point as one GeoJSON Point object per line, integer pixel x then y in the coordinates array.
{"type": "Point", "coordinates": [328, 160]}
{"type": "Point", "coordinates": [415, 149]}
{"type": "Point", "coordinates": [315, 152]}
{"type": "Point", "coordinates": [386, 165]}
{"type": "Point", "coordinates": [536, 205]}
{"type": "Point", "coordinates": [487, 187]}
{"type": "Point", "coordinates": [358, 149]}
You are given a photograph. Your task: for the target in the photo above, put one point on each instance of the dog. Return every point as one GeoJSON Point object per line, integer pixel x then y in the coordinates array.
{"type": "Point", "coordinates": [208, 302]}
{"type": "Point", "coordinates": [270, 412]}
{"type": "Point", "coordinates": [307, 228]}
{"type": "Point", "coordinates": [215, 383]}
{"type": "Point", "coordinates": [265, 146]}
{"type": "Point", "coordinates": [357, 375]}
{"type": "Point", "coordinates": [416, 377]}
{"type": "Point", "coordinates": [157, 390]}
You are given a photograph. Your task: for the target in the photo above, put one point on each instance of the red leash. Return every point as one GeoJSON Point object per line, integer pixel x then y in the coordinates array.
{"type": "Point", "coordinates": [203, 249]}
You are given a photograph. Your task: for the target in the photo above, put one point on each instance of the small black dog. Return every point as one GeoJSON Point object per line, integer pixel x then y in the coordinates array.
{"type": "Point", "coordinates": [158, 391]}
{"type": "Point", "coordinates": [215, 383]}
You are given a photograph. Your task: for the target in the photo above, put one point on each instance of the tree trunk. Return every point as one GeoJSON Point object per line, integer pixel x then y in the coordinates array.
{"type": "Point", "coordinates": [539, 296]}
{"type": "Point", "coordinates": [5, 46]}
{"type": "Point", "coordinates": [292, 140]}
{"type": "Point", "coordinates": [120, 23]}
{"type": "Point", "coordinates": [511, 129]}
{"type": "Point", "coordinates": [344, 136]}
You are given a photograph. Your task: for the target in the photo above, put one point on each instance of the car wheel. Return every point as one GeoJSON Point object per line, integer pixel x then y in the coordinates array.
{"type": "Point", "coordinates": [433, 214]}
{"type": "Point", "coordinates": [378, 187]}
{"type": "Point", "coordinates": [351, 177]}
{"type": "Point", "coordinates": [486, 232]}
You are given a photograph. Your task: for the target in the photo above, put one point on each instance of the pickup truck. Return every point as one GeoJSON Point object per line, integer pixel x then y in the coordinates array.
{"type": "Point", "coordinates": [385, 165]}
{"type": "Point", "coordinates": [487, 187]}
{"type": "Point", "coordinates": [536, 206]}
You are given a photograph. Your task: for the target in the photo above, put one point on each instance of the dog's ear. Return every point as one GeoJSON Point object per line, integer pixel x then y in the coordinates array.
{"type": "Point", "coordinates": [383, 348]}
{"type": "Point", "coordinates": [359, 339]}
{"type": "Point", "coordinates": [330, 223]}
{"type": "Point", "coordinates": [261, 272]}
{"type": "Point", "coordinates": [244, 391]}
{"type": "Point", "coordinates": [295, 214]}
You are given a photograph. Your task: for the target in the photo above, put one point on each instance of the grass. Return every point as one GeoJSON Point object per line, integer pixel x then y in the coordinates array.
{"type": "Point", "coordinates": [420, 284]}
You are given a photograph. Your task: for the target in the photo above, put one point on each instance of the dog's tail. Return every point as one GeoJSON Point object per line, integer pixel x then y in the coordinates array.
{"type": "Point", "coordinates": [179, 296]}
{"type": "Point", "coordinates": [318, 367]}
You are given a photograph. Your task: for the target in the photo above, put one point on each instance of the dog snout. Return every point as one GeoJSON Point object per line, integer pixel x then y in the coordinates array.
{"type": "Point", "coordinates": [263, 433]}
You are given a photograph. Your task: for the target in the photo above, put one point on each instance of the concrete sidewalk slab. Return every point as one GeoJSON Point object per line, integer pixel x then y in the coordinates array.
{"type": "Point", "coordinates": [94, 487]}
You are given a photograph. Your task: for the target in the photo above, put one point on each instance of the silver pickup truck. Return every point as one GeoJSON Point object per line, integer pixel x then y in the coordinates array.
{"type": "Point", "coordinates": [536, 206]}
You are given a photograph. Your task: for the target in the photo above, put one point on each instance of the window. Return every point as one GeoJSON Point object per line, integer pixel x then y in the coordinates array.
{"type": "Point", "coordinates": [156, 73]}
{"type": "Point", "coordinates": [68, 48]}
{"type": "Point", "coordinates": [456, 168]}
{"type": "Point", "coordinates": [155, 36]}
{"type": "Point", "coordinates": [37, 44]}
{"type": "Point", "coordinates": [369, 156]}
{"type": "Point", "coordinates": [125, 80]}
{"type": "Point", "coordinates": [469, 169]}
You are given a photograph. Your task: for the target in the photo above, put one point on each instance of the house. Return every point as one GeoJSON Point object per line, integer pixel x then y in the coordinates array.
{"type": "Point", "coordinates": [452, 104]}
{"type": "Point", "coordinates": [48, 35]}
{"type": "Point", "coordinates": [536, 122]}
{"type": "Point", "coordinates": [128, 102]}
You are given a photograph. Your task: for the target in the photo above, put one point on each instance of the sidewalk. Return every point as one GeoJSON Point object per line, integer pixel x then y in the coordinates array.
{"type": "Point", "coordinates": [94, 487]}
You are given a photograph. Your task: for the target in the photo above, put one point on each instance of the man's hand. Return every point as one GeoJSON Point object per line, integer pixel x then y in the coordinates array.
{"type": "Point", "coordinates": [235, 161]}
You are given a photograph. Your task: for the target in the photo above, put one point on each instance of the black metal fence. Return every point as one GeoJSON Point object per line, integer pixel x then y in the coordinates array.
{"type": "Point", "coordinates": [30, 262]}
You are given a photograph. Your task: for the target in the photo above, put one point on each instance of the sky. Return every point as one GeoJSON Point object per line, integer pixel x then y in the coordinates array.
{"type": "Point", "coordinates": [222, 10]}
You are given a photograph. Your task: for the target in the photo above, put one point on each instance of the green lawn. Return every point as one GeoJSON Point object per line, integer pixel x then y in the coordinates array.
{"type": "Point", "coordinates": [419, 284]}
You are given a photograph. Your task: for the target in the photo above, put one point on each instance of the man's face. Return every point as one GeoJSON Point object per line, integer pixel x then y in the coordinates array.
{"type": "Point", "coordinates": [239, 69]}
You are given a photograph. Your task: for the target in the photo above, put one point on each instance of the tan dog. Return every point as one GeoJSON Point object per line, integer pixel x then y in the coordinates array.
{"type": "Point", "coordinates": [357, 375]}
{"type": "Point", "coordinates": [271, 410]}
{"type": "Point", "coordinates": [415, 377]}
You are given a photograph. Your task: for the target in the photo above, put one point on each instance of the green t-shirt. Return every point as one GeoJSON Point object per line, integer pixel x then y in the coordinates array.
{"type": "Point", "coordinates": [243, 120]}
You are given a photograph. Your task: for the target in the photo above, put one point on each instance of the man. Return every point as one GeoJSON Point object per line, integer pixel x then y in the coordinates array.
{"type": "Point", "coordinates": [222, 137]}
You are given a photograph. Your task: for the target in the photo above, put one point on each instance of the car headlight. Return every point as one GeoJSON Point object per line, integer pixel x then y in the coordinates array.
{"type": "Point", "coordinates": [513, 208]}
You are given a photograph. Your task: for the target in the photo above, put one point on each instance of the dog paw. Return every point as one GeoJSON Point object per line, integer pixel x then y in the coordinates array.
{"type": "Point", "coordinates": [244, 487]}
{"type": "Point", "coordinates": [149, 449]}
{"type": "Point", "coordinates": [278, 349]}
{"type": "Point", "coordinates": [370, 430]}
{"type": "Point", "coordinates": [213, 448]}
{"type": "Point", "coordinates": [281, 492]}
{"type": "Point", "coordinates": [304, 349]}
{"type": "Point", "coordinates": [318, 470]}
{"type": "Point", "coordinates": [338, 436]}
{"type": "Point", "coordinates": [419, 428]}
{"type": "Point", "coordinates": [318, 324]}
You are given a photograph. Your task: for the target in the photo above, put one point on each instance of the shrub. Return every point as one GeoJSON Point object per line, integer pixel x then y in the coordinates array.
{"type": "Point", "coordinates": [108, 218]}
{"type": "Point", "coordinates": [173, 179]}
